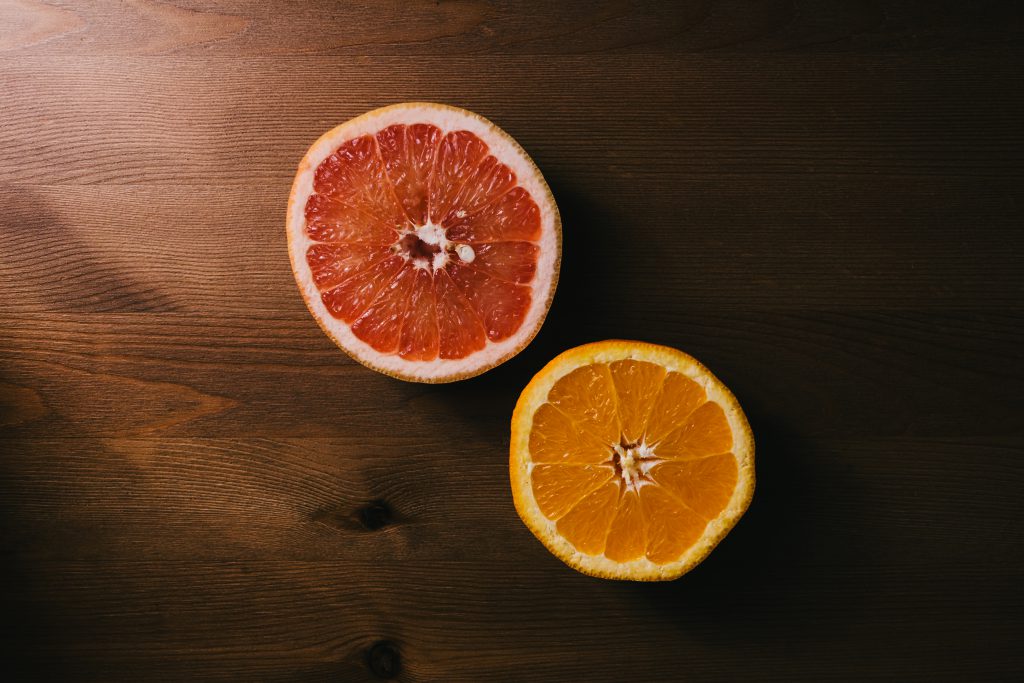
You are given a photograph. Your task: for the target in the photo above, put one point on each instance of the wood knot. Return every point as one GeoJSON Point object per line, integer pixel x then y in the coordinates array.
{"type": "Point", "coordinates": [384, 659]}
{"type": "Point", "coordinates": [375, 515]}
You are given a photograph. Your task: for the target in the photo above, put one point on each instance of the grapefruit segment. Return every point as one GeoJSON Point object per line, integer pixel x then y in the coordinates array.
{"type": "Point", "coordinates": [354, 176]}
{"type": "Point", "coordinates": [408, 156]}
{"type": "Point", "coordinates": [451, 202]}
{"type": "Point", "coordinates": [332, 264]}
{"type": "Point", "coordinates": [483, 184]}
{"type": "Point", "coordinates": [348, 300]}
{"type": "Point", "coordinates": [513, 216]}
{"type": "Point", "coordinates": [460, 331]}
{"type": "Point", "coordinates": [500, 304]}
{"type": "Point", "coordinates": [458, 155]}
{"type": "Point", "coordinates": [419, 340]}
{"type": "Point", "coordinates": [511, 261]}
{"type": "Point", "coordinates": [669, 500]}
{"type": "Point", "coordinates": [380, 325]}
{"type": "Point", "coordinates": [333, 221]}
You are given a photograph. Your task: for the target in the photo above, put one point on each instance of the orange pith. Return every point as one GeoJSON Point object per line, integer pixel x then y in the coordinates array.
{"type": "Point", "coordinates": [634, 456]}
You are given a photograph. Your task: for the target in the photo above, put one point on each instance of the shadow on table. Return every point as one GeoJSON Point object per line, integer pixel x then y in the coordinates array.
{"type": "Point", "coordinates": [57, 266]}
{"type": "Point", "coordinates": [795, 558]}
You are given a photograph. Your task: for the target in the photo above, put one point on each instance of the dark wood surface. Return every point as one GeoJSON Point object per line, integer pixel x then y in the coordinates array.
{"type": "Point", "coordinates": [820, 200]}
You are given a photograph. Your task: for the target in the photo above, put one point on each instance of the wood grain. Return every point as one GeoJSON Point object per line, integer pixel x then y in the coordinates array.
{"type": "Point", "coordinates": [820, 200]}
{"type": "Point", "coordinates": [454, 27]}
{"type": "Point", "coordinates": [776, 240]}
{"type": "Point", "coordinates": [173, 120]}
{"type": "Point", "coordinates": [821, 374]}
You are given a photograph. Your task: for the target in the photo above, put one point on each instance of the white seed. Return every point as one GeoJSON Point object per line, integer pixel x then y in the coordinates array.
{"type": "Point", "coordinates": [465, 253]}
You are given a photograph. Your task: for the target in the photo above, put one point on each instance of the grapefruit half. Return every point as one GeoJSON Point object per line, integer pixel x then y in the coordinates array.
{"type": "Point", "coordinates": [424, 241]}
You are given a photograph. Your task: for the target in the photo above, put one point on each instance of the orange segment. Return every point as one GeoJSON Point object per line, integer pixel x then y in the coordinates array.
{"type": "Point", "coordinates": [556, 439]}
{"type": "Point", "coordinates": [671, 526]}
{"type": "Point", "coordinates": [705, 484]}
{"type": "Point", "coordinates": [557, 488]}
{"type": "Point", "coordinates": [704, 432]}
{"type": "Point", "coordinates": [628, 506]}
{"type": "Point", "coordinates": [586, 525]}
{"type": "Point", "coordinates": [587, 396]}
{"type": "Point", "coordinates": [679, 396]}
{"type": "Point", "coordinates": [627, 538]}
{"type": "Point", "coordinates": [637, 384]}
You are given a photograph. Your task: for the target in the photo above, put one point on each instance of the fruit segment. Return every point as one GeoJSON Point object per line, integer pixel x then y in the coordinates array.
{"type": "Point", "coordinates": [348, 300]}
{"type": "Point", "coordinates": [679, 396]}
{"type": "Point", "coordinates": [705, 485]}
{"type": "Point", "coordinates": [408, 156]}
{"type": "Point", "coordinates": [586, 525]}
{"type": "Point", "coordinates": [500, 304]}
{"type": "Point", "coordinates": [557, 488]}
{"type": "Point", "coordinates": [482, 185]}
{"type": "Point", "coordinates": [627, 537]}
{"type": "Point", "coordinates": [332, 264]}
{"type": "Point", "coordinates": [557, 439]}
{"type": "Point", "coordinates": [511, 261]}
{"type": "Point", "coordinates": [460, 331]}
{"type": "Point", "coordinates": [587, 395]}
{"type": "Point", "coordinates": [458, 155]}
{"type": "Point", "coordinates": [514, 216]}
{"type": "Point", "coordinates": [637, 384]}
{"type": "Point", "coordinates": [329, 220]}
{"type": "Point", "coordinates": [704, 432]}
{"type": "Point", "coordinates": [380, 325]}
{"type": "Point", "coordinates": [671, 526]}
{"type": "Point", "coordinates": [419, 340]}
{"type": "Point", "coordinates": [354, 176]}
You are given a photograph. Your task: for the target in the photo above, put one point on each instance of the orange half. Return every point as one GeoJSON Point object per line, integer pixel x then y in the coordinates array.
{"type": "Point", "coordinates": [630, 460]}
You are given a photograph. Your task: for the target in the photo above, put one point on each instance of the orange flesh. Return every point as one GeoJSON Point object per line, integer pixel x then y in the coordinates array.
{"type": "Point", "coordinates": [400, 292]}
{"type": "Point", "coordinates": [631, 461]}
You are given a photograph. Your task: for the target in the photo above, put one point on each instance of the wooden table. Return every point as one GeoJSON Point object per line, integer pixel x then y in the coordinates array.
{"type": "Point", "coordinates": [820, 200]}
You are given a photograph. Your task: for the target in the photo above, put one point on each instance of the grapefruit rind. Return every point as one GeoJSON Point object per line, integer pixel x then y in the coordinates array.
{"type": "Point", "coordinates": [528, 176]}
{"type": "Point", "coordinates": [641, 569]}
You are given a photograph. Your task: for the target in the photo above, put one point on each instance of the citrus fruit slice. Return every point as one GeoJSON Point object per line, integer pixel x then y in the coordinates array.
{"type": "Point", "coordinates": [424, 240]}
{"type": "Point", "coordinates": [630, 460]}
